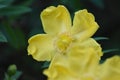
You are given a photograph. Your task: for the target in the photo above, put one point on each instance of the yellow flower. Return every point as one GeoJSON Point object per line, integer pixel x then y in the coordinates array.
{"type": "Point", "coordinates": [60, 35]}
{"type": "Point", "coordinates": [83, 65]}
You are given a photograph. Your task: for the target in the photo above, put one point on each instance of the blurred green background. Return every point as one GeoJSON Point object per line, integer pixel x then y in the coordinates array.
{"type": "Point", "coordinates": [19, 20]}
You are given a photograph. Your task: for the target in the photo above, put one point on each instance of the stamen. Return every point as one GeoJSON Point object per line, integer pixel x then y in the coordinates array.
{"type": "Point", "coordinates": [63, 42]}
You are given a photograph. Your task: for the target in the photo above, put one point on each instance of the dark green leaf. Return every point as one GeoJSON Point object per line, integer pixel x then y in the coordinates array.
{"type": "Point", "coordinates": [101, 61]}
{"type": "Point", "coordinates": [46, 64]}
{"type": "Point", "coordinates": [14, 10]}
{"type": "Point", "coordinates": [74, 4]}
{"type": "Point", "coordinates": [110, 50]}
{"type": "Point", "coordinates": [15, 36]}
{"type": "Point", "coordinates": [26, 2]}
{"type": "Point", "coordinates": [6, 77]}
{"type": "Point", "coordinates": [6, 2]}
{"type": "Point", "coordinates": [16, 76]}
{"type": "Point", "coordinates": [10, 34]}
{"type": "Point", "coordinates": [2, 6]}
{"type": "Point", "coordinates": [98, 3]}
{"type": "Point", "coordinates": [101, 38]}
{"type": "Point", "coordinates": [2, 38]}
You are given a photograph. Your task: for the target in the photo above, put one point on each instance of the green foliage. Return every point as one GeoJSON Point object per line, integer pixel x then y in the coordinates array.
{"type": "Point", "coordinates": [7, 9]}
{"type": "Point", "coordinates": [2, 38]}
{"type": "Point", "coordinates": [46, 64]}
{"type": "Point", "coordinates": [9, 13]}
{"type": "Point", "coordinates": [6, 2]}
{"type": "Point", "coordinates": [110, 50]}
{"type": "Point", "coordinates": [12, 73]}
{"type": "Point", "coordinates": [101, 38]}
{"type": "Point", "coordinates": [14, 10]}
{"type": "Point", "coordinates": [27, 2]}
{"type": "Point", "coordinates": [2, 6]}
{"type": "Point", "coordinates": [75, 4]}
{"type": "Point", "coordinates": [15, 36]}
{"type": "Point", "coordinates": [98, 3]}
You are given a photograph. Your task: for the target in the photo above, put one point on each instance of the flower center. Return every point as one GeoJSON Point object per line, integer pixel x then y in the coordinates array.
{"type": "Point", "coordinates": [63, 41]}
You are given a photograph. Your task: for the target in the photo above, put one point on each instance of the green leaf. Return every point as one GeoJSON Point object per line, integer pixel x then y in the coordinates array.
{"type": "Point", "coordinates": [2, 6]}
{"type": "Point", "coordinates": [101, 38]}
{"type": "Point", "coordinates": [110, 50]}
{"type": "Point", "coordinates": [73, 4]}
{"type": "Point", "coordinates": [98, 3]}
{"type": "Point", "coordinates": [6, 2]}
{"type": "Point", "coordinates": [6, 77]}
{"type": "Point", "coordinates": [14, 10]}
{"type": "Point", "coordinates": [46, 64]}
{"type": "Point", "coordinates": [2, 38]}
{"type": "Point", "coordinates": [101, 61]}
{"type": "Point", "coordinates": [16, 76]}
{"type": "Point", "coordinates": [26, 2]}
{"type": "Point", "coordinates": [15, 36]}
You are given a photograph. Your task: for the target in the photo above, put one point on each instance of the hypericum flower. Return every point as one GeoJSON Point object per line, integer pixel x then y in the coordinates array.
{"type": "Point", "coordinates": [83, 64]}
{"type": "Point", "coordinates": [60, 34]}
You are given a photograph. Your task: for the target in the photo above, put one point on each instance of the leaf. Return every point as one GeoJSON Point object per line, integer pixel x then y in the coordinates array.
{"type": "Point", "coordinates": [73, 4]}
{"type": "Point", "coordinates": [16, 76]}
{"type": "Point", "coordinates": [14, 10]}
{"type": "Point", "coordinates": [6, 2]}
{"type": "Point", "coordinates": [6, 77]}
{"type": "Point", "coordinates": [101, 61]}
{"type": "Point", "coordinates": [101, 38]}
{"type": "Point", "coordinates": [2, 38]}
{"type": "Point", "coordinates": [98, 3]}
{"type": "Point", "coordinates": [2, 6]}
{"type": "Point", "coordinates": [15, 36]}
{"type": "Point", "coordinates": [110, 50]}
{"type": "Point", "coordinates": [46, 64]}
{"type": "Point", "coordinates": [26, 2]}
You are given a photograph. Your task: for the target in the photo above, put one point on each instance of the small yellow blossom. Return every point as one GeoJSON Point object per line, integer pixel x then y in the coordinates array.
{"type": "Point", "coordinates": [60, 35]}
{"type": "Point", "coordinates": [74, 55]}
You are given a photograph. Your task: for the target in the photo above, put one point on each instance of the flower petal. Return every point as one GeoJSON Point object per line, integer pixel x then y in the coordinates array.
{"type": "Point", "coordinates": [56, 19]}
{"type": "Point", "coordinates": [84, 45]}
{"type": "Point", "coordinates": [41, 47]}
{"type": "Point", "coordinates": [110, 69]}
{"type": "Point", "coordinates": [84, 25]}
{"type": "Point", "coordinates": [59, 69]}
{"type": "Point", "coordinates": [84, 56]}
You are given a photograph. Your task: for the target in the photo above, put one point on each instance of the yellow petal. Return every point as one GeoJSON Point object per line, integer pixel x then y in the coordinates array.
{"type": "Point", "coordinates": [66, 68]}
{"type": "Point", "coordinates": [110, 69]}
{"type": "Point", "coordinates": [59, 73]}
{"type": "Point", "coordinates": [84, 45]}
{"type": "Point", "coordinates": [41, 47]}
{"type": "Point", "coordinates": [56, 19]}
{"type": "Point", "coordinates": [84, 25]}
{"type": "Point", "coordinates": [85, 56]}
{"type": "Point", "coordinates": [59, 69]}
